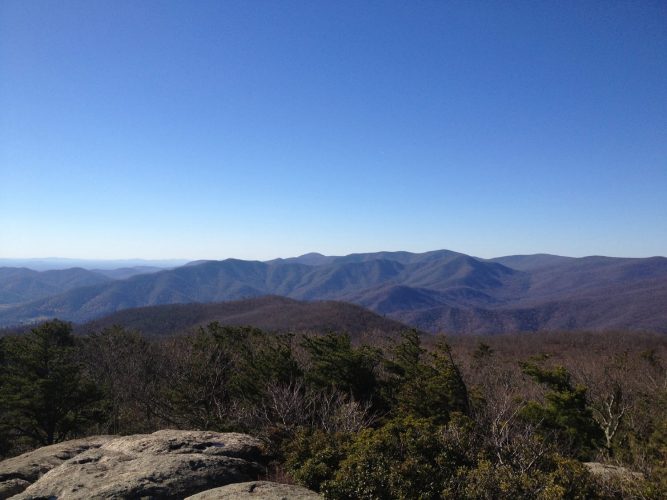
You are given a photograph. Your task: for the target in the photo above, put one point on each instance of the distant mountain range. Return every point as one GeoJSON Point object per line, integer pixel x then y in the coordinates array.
{"type": "Point", "coordinates": [53, 263]}
{"type": "Point", "coordinates": [20, 284]}
{"type": "Point", "coordinates": [434, 291]}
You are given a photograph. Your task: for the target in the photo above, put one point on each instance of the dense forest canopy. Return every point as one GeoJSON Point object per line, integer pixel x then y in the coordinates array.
{"type": "Point", "coordinates": [462, 417]}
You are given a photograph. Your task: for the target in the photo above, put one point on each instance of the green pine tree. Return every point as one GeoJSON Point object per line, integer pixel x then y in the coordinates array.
{"type": "Point", "coordinates": [565, 412]}
{"type": "Point", "coordinates": [44, 392]}
{"type": "Point", "coordinates": [336, 363]}
{"type": "Point", "coordinates": [431, 387]}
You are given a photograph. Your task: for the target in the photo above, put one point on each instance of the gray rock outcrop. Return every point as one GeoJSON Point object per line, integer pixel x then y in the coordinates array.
{"type": "Point", "coordinates": [259, 490]}
{"type": "Point", "coordinates": [166, 464]}
{"type": "Point", "coordinates": [608, 471]}
{"type": "Point", "coordinates": [17, 473]}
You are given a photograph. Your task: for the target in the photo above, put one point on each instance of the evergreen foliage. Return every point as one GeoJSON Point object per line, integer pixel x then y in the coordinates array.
{"type": "Point", "coordinates": [314, 456]}
{"type": "Point", "coordinates": [44, 392]}
{"type": "Point", "coordinates": [558, 478]}
{"type": "Point", "coordinates": [334, 362]}
{"type": "Point", "coordinates": [406, 456]}
{"type": "Point", "coordinates": [565, 410]}
{"type": "Point", "coordinates": [427, 385]}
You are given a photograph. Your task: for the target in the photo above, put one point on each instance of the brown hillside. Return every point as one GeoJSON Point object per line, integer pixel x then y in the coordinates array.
{"type": "Point", "coordinates": [269, 313]}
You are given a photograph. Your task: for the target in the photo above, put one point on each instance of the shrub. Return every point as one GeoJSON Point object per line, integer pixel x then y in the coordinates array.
{"type": "Point", "coordinates": [405, 456]}
{"type": "Point", "coordinates": [313, 457]}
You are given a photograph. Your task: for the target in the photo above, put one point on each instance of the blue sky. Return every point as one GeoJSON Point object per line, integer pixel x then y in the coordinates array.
{"type": "Point", "coordinates": [259, 129]}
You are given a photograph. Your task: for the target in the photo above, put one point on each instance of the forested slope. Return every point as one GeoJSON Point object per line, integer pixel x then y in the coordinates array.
{"type": "Point", "coordinates": [435, 291]}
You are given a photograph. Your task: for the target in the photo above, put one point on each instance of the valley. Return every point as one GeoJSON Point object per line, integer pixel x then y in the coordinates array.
{"type": "Point", "coordinates": [438, 291]}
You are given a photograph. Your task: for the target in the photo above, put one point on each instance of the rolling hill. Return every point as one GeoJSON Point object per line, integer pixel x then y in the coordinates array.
{"type": "Point", "coordinates": [436, 291]}
{"type": "Point", "coordinates": [270, 313]}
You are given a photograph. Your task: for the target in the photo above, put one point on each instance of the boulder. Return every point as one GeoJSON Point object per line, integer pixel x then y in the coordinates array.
{"type": "Point", "coordinates": [166, 464]}
{"type": "Point", "coordinates": [17, 473]}
{"type": "Point", "coordinates": [264, 490]}
{"type": "Point", "coordinates": [607, 472]}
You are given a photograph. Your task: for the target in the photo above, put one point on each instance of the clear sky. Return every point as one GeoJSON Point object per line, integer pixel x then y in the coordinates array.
{"type": "Point", "coordinates": [259, 129]}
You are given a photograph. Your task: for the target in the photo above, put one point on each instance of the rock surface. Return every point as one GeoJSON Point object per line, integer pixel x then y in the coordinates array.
{"type": "Point", "coordinates": [264, 490]}
{"type": "Point", "coordinates": [12, 486]}
{"type": "Point", "coordinates": [17, 473]}
{"type": "Point", "coordinates": [607, 471]}
{"type": "Point", "coordinates": [166, 464]}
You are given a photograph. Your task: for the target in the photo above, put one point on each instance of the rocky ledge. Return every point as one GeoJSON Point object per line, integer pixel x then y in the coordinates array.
{"type": "Point", "coordinates": [264, 490]}
{"type": "Point", "coordinates": [164, 465]}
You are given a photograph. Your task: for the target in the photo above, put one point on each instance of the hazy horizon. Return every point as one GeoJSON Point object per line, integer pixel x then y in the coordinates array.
{"type": "Point", "coordinates": [258, 130]}
{"type": "Point", "coordinates": [166, 262]}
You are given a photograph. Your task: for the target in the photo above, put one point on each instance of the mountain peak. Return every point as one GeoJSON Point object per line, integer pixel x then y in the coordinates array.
{"type": "Point", "coordinates": [439, 290]}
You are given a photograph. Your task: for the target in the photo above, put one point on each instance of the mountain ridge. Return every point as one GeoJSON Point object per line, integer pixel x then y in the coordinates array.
{"type": "Point", "coordinates": [438, 290]}
{"type": "Point", "coordinates": [269, 313]}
